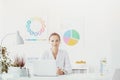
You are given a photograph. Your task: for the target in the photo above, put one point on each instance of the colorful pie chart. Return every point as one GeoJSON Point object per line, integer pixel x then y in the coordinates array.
{"type": "Point", "coordinates": [71, 37]}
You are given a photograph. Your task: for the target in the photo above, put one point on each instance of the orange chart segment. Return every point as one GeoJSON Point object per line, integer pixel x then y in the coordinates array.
{"type": "Point", "coordinates": [72, 42]}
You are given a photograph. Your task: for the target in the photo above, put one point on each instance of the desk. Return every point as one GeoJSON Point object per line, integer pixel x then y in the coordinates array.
{"type": "Point", "coordinates": [66, 77]}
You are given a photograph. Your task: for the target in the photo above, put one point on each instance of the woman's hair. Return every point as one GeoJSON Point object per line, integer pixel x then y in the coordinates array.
{"type": "Point", "coordinates": [54, 34]}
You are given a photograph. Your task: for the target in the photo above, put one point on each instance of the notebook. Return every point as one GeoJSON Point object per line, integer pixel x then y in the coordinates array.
{"type": "Point", "coordinates": [44, 68]}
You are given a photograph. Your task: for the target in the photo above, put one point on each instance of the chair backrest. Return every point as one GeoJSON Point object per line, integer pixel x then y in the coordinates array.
{"type": "Point", "coordinates": [116, 75]}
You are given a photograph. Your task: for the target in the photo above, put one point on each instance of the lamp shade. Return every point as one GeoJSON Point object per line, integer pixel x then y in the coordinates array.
{"type": "Point", "coordinates": [19, 39]}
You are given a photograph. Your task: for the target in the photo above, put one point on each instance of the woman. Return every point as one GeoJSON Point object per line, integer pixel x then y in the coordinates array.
{"type": "Point", "coordinates": [60, 56]}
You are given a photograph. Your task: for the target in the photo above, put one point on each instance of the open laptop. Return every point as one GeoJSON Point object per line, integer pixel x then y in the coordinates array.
{"type": "Point", "coordinates": [45, 68]}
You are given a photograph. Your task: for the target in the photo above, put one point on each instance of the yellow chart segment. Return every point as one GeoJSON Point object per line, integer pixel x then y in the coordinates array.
{"type": "Point", "coordinates": [72, 42]}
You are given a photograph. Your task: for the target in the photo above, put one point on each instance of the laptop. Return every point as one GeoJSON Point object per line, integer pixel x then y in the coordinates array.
{"type": "Point", "coordinates": [45, 68]}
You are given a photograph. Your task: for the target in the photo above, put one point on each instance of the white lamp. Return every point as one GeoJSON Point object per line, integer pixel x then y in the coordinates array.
{"type": "Point", "coordinates": [19, 39]}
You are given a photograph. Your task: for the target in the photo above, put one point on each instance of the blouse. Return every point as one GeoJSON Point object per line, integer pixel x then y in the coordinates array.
{"type": "Point", "coordinates": [62, 60]}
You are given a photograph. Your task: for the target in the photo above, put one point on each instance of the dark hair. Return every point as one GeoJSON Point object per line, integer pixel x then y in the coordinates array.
{"type": "Point", "coordinates": [54, 34]}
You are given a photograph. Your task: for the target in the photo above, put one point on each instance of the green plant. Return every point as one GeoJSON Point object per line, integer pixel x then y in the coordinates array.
{"type": "Point", "coordinates": [5, 61]}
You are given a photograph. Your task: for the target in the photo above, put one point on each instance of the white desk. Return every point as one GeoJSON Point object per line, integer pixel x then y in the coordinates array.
{"type": "Point", "coordinates": [66, 77]}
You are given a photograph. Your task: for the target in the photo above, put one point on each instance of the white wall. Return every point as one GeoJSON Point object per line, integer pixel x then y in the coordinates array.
{"type": "Point", "coordinates": [100, 21]}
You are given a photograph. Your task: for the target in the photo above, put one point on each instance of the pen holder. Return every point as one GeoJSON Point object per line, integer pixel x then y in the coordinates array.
{"type": "Point", "coordinates": [24, 72]}
{"type": "Point", "coordinates": [18, 72]}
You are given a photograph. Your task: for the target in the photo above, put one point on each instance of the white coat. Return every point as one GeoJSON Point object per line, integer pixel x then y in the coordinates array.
{"type": "Point", "coordinates": [62, 60]}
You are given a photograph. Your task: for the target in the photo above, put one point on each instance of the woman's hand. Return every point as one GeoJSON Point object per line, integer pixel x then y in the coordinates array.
{"type": "Point", "coordinates": [60, 72]}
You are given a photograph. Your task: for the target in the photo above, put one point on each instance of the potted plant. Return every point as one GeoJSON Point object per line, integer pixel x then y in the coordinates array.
{"type": "Point", "coordinates": [19, 62]}
{"type": "Point", "coordinates": [17, 68]}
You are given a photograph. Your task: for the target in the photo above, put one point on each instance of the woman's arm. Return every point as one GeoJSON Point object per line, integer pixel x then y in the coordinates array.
{"type": "Point", "coordinates": [67, 69]}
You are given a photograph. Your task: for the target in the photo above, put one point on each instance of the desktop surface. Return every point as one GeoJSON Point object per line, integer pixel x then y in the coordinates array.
{"type": "Point", "coordinates": [67, 77]}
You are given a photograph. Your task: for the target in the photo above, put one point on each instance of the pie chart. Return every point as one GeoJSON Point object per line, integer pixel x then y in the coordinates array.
{"type": "Point", "coordinates": [71, 37]}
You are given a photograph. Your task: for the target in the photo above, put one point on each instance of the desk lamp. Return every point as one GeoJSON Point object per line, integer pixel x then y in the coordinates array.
{"type": "Point", "coordinates": [19, 40]}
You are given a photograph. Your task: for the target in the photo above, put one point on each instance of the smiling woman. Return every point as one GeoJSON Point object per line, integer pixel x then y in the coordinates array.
{"type": "Point", "coordinates": [60, 56]}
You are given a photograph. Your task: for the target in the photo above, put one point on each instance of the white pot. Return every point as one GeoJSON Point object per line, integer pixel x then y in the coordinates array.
{"type": "Point", "coordinates": [18, 72]}
{"type": "Point", "coordinates": [14, 71]}
{"type": "Point", "coordinates": [24, 72]}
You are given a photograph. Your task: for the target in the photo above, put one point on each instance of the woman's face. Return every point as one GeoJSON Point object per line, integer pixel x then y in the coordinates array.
{"type": "Point", "coordinates": [54, 41]}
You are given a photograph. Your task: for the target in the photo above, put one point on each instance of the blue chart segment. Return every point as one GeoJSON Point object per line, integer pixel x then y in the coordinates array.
{"type": "Point", "coordinates": [71, 37]}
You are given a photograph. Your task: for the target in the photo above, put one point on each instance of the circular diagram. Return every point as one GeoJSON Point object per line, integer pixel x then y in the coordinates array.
{"type": "Point", "coordinates": [71, 37]}
{"type": "Point", "coordinates": [35, 22]}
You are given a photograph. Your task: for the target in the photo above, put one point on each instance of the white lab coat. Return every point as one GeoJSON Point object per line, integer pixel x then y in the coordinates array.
{"type": "Point", "coordinates": [62, 60]}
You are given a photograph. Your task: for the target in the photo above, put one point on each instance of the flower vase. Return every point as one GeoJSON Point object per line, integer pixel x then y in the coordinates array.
{"type": "Point", "coordinates": [14, 71]}
{"type": "Point", "coordinates": [24, 72]}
